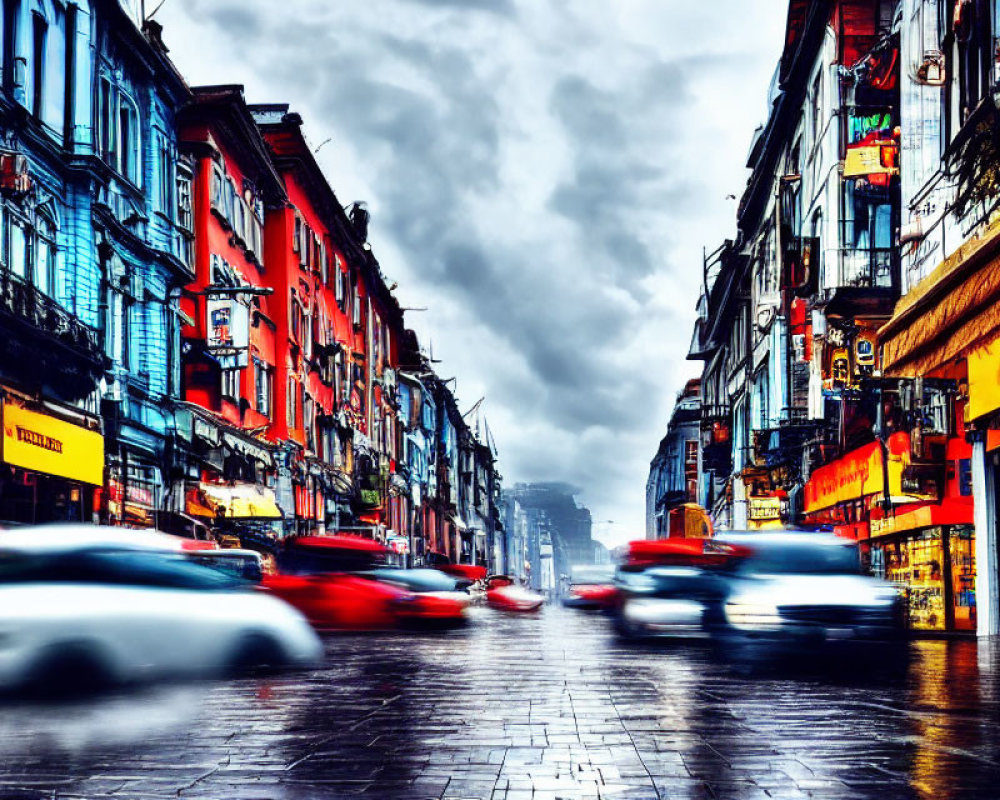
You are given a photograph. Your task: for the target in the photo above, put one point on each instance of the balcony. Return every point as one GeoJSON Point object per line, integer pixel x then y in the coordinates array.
{"type": "Point", "coordinates": [864, 278]}
{"type": "Point", "coordinates": [783, 445]}
{"type": "Point", "coordinates": [45, 343]}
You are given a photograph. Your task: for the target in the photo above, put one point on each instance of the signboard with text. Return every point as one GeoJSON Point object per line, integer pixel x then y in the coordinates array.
{"type": "Point", "coordinates": [36, 441]}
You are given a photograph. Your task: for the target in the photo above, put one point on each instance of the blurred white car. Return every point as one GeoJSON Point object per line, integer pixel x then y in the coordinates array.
{"type": "Point", "coordinates": [83, 605]}
{"type": "Point", "coordinates": [807, 586]}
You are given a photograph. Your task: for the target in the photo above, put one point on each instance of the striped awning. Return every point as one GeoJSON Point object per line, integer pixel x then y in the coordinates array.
{"type": "Point", "coordinates": [947, 314]}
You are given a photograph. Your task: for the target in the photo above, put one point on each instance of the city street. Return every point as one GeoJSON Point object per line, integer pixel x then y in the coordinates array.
{"type": "Point", "coordinates": [542, 706]}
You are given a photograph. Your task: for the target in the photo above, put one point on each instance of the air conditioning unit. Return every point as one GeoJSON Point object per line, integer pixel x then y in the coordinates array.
{"type": "Point", "coordinates": [14, 177]}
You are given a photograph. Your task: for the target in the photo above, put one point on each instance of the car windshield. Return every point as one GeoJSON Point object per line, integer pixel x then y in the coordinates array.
{"type": "Point", "coordinates": [114, 567]}
{"type": "Point", "coordinates": [419, 580]}
{"type": "Point", "coordinates": [591, 575]}
{"type": "Point", "coordinates": [247, 567]}
{"type": "Point", "coordinates": [803, 559]}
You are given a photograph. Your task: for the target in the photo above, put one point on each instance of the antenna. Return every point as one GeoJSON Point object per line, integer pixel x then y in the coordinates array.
{"type": "Point", "coordinates": [474, 407]}
{"type": "Point", "coordinates": [142, 10]}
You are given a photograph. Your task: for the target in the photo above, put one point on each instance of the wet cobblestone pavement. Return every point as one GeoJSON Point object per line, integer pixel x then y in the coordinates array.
{"type": "Point", "coordinates": [552, 706]}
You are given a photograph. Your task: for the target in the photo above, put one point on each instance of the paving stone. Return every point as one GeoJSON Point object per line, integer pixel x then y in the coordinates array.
{"type": "Point", "coordinates": [515, 707]}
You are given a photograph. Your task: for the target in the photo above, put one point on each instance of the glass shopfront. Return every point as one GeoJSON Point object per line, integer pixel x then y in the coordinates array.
{"type": "Point", "coordinates": [962, 544]}
{"type": "Point", "coordinates": [936, 567]}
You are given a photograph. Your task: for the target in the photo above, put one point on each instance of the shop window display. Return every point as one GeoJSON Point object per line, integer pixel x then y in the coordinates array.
{"type": "Point", "coordinates": [962, 544]}
{"type": "Point", "coordinates": [916, 564]}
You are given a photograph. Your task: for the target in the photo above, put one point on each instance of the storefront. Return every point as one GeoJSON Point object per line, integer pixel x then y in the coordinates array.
{"type": "Point", "coordinates": [930, 551]}
{"type": "Point", "coordinates": [948, 326]}
{"type": "Point", "coordinates": [229, 483]}
{"type": "Point", "coordinates": [234, 508]}
{"type": "Point", "coordinates": [53, 460]}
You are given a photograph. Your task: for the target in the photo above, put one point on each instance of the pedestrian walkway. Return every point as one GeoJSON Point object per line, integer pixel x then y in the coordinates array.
{"type": "Point", "coordinates": [523, 707]}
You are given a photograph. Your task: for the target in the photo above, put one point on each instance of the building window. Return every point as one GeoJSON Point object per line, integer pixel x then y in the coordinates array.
{"type": "Point", "coordinates": [264, 378]}
{"type": "Point", "coordinates": [185, 216]}
{"type": "Point", "coordinates": [114, 342]}
{"type": "Point", "coordinates": [11, 63]}
{"type": "Point", "coordinates": [165, 175]}
{"type": "Point", "coordinates": [291, 402]}
{"type": "Point", "coordinates": [45, 256]}
{"type": "Point", "coordinates": [107, 122]}
{"type": "Point", "coordinates": [308, 422]}
{"type": "Point", "coordinates": [218, 195]}
{"type": "Point", "coordinates": [40, 29]}
{"type": "Point", "coordinates": [128, 122]}
{"type": "Point", "coordinates": [338, 279]}
{"type": "Point", "coordinates": [231, 384]}
{"type": "Point", "coordinates": [17, 239]}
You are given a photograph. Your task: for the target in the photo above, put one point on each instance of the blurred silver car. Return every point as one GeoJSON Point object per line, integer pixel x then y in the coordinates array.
{"type": "Point", "coordinates": [807, 587]}
{"type": "Point", "coordinates": [83, 606]}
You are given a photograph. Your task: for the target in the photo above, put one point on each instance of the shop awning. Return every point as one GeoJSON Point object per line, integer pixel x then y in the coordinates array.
{"type": "Point", "coordinates": [458, 522]}
{"type": "Point", "coordinates": [948, 313]}
{"type": "Point", "coordinates": [241, 501]}
{"type": "Point", "coordinates": [912, 518]}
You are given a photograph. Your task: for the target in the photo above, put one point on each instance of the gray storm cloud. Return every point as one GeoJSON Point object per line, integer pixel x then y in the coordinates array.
{"type": "Point", "coordinates": [542, 176]}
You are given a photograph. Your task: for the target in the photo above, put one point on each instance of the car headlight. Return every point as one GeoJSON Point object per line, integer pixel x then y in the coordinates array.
{"type": "Point", "coordinates": [640, 584]}
{"type": "Point", "coordinates": [752, 614]}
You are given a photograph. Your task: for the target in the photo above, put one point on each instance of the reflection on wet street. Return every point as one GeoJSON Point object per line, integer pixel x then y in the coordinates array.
{"type": "Point", "coordinates": [529, 706]}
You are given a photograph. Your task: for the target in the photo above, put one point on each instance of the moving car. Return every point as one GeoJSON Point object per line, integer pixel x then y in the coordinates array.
{"type": "Point", "coordinates": [591, 587]}
{"type": "Point", "coordinates": [471, 572]}
{"type": "Point", "coordinates": [340, 601]}
{"type": "Point", "coordinates": [84, 606]}
{"type": "Point", "coordinates": [317, 576]}
{"type": "Point", "coordinates": [807, 587]}
{"type": "Point", "coordinates": [436, 596]}
{"type": "Point", "coordinates": [247, 565]}
{"type": "Point", "coordinates": [671, 587]}
{"type": "Point", "coordinates": [503, 594]}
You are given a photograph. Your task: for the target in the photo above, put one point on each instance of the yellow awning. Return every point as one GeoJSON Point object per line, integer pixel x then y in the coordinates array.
{"type": "Point", "coordinates": [948, 313]}
{"type": "Point", "coordinates": [984, 380]}
{"type": "Point", "coordinates": [242, 501]}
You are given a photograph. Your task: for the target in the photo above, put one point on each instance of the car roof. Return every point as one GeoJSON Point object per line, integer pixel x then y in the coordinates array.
{"type": "Point", "coordinates": [340, 541]}
{"type": "Point", "coordinates": [228, 552]}
{"type": "Point", "coordinates": [751, 538]}
{"type": "Point", "coordinates": [77, 536]}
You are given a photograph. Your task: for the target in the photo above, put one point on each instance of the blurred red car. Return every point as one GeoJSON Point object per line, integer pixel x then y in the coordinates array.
{"type": "Point", "coordinates": [338, 601]}
{"type": "Point", "coordinates": [470, 572]}
{"type": "Point", "coordinates": [436, 597]}
{"type": "Point", "coordinates": [505, 595]}
{"type": "Point", "coordinates": [592, 587]}
{"type": "Point", "coordinates": [313, 575]}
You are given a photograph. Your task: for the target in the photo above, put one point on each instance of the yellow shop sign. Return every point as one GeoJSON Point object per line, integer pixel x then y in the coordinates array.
{"type": "Point", "coordinates": [36, 441]}
{"type": "Point", "coordinates": [984, 380]}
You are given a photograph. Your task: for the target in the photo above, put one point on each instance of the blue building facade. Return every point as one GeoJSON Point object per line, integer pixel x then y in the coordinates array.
{"type": "Point", "coordinates": [51, 363]}
{"type": "Point", "coordinates": [143, 257]}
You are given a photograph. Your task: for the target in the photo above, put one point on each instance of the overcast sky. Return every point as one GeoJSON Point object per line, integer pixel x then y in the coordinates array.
{"type": "Point", "coordinates": [542, 177]}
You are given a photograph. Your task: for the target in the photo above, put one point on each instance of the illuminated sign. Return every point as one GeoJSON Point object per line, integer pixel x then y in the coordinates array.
{"type": "Point", "coordinates": [38, 442]}
{"type": "Point", "coordinates": [859, 474]}
{"type": "Point", "coordinates": [762, 508]}
{"type": "Point", "coordinates": [856, 475]}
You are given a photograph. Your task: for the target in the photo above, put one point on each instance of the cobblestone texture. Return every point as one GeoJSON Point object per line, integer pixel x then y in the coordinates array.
{"type": "Point", "coordinates": [528, 707]}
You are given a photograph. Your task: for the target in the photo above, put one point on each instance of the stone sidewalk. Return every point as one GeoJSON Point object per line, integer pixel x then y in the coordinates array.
{"type": "Point", "coordinates": [528, 707]}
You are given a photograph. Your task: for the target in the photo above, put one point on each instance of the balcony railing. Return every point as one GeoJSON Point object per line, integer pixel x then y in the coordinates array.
{"type": "Point", "coordinates": [28, 305]}
{"type": "Point", "coordinates": [863, 266]}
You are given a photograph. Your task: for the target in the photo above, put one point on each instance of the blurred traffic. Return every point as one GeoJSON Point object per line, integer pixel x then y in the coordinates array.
{"type": "Point", "coordinates": [89, 606]}
{"type": "Point", "coordinates": [86, 606]}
